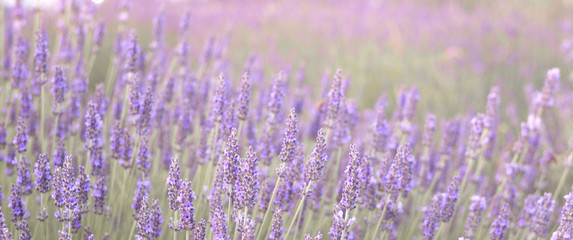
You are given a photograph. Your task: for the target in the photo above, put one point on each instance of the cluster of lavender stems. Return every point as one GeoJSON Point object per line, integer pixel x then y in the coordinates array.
{"type": "Point", "coordinates": [166, 144]}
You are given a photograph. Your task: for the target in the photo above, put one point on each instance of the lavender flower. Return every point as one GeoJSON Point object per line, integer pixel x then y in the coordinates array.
{"type": "Point", "coordinates": [24, 180]}
{"type": "Point", "coordinates": [218, 100]}
{"type": "Point", "coordinates": [199, 232]}
{"type": "Point", "coordinates": [354, 176]}
{"type": "Point", "coordinates": [317, 159]}
{"type": "Point", "coordinates": [26, 234]}
{"type": "Point", "coordinates": [41, 55]}
{"type": "Point", "coordinates": [143, 224]}
{"type": "Point", "coordinates": [566, 224]}
{"type": "Point", "coordinates": [155, 219]}
{"type": "Point", "coordinates": [289, 138]}
{"type": "Point", "coordinates": [21, 138]}
{"type": "Point", "coordinates": [447, 208]}
{"type": "Point", "coordinates": [501, 223]}
{"type": "Point", "coordinates": [431, 220]}
{"type": "Point", "coordinates": [549, 87]}
{"type": "Point", "coordinates": [399, 176]}
{"type": "Point", "coordinates": [143, 156]}
{"type": "Point", "coordinates": [17, 205]}
{"type": "Point", "coordinates": [141, 192]}
{"type": "Point", "coordinates": [317, 237]}
{"type": "Point", "coordinates": [542, 217]}
{"type": "Point", "coordinates": [381, 127]}
{"type": "Point", "coordinates": [60, 86]}
{"type": "Point", "coordinates": [83, 185]}
{"type": "Point", "coordinates": [276, 98]}
{"type": "Point", "coordinates": [334, 99]}
{"type": "Point", "coordinates": [218, 221]}
{"type": "Point", "coordinates": [99, 193]}
{"type": "Point", "coordinates": [476, 209]}
{"type": "Point", "coordinates": [231, 160]}
{"type": "Point", "coordinates": [244, 98]}
{"type": "Point", "coordinates": [277, 226]}
{"type": "Point", "coordinates": [186, 198]}
{"type": "Point", "coordinates": [174, 184]}
{"type": "Point", "coordinates": [248, 184]}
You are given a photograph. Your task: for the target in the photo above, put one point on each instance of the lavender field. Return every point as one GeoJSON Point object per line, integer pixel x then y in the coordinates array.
{"type": "Point", "coordinates": [318, 119]}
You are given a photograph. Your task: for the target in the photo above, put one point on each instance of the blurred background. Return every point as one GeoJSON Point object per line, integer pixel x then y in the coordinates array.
{"type": "Point", "coordinates": [454, 51]}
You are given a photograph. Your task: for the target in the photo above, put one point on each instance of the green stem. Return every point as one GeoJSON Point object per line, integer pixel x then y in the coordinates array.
{"type": "Point", "coordinates": [298, 209]}
{"type": "Point", "coordinates": [264, 223]}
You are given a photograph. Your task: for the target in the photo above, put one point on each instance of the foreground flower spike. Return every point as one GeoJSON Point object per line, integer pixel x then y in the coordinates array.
{"type": "Point", "coordinates": [41, 54]}
{"type": "Point", "coordinates": [501, 223]}
{"type": "Point", "coordinates": [17, 205]}
{"type": "Point", "coordinates": [354, 176]}
{"type": "Point", "coordinates": [400, 174]}
{"type": "Point", "coordinates": [315, 164]}
{"type": "Point", "coordinates": [542, 217]}
{"type": "Point", "coordinates": [248, 183]}
{"type": "Point", "coordinates": [24, 180]}
{"type": "Point", "coordinates": [447, 208]}
{"type": "Point", "coordinates": [476, 209]}
{"type": "Point", "coordinates": [431, 220]}
{"type": "Point", "coordinates": [155, 219]}
{"type": "Point", "coordinates": [199, 232]}
{"type": "Point", "coordinates": [566, 225]}
{"type": "Point", "coordinates": [143, 223]}
{"type": "Point", "coordinates": [99, 193]}
{"type": "Point", "coordinates": [277, 227]}
{"type": "Point", "coordinates": [43, 174]}
{"type": "Point", "coordinates": [26, 234]}
{"type": "Point", "coordinates": [174, 184]}
{"type": "Point", "coordinates": [186, 208]}
{"type": "Point", "coordinates": [218, 221]}
{"type": "Point", "coordinates": [289, 138]}
{"type": "Point", "coordinates": [218, 101]}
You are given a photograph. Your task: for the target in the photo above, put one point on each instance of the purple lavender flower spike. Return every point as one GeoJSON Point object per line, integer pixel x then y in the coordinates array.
{"type": "Point", "coordinates": [542, 217]}
{"type": "Point", "coordinates": [354, 176]}
{"type": "Point", "coordinates": [83, 185]}
{"type": "Point", "coordinates": [244, 98]}
{"type": "Point", "coordinates": [4, 231]}
{"type": "Point", "coordinates": [145, 112]}
{"type": "Point", "coordinates": [549, 87]}
{"type": "Point", "coordinates": [132, 53]}
{"type": "Point", "coordinates": [476, 209]}
{"type": "Point", "coordinates": [317, 237]}
{"type": "Point", "coordinates": [431, 220]}
{"type": "Point", "coordinates": [116, 141]}
{"type": "Point", "coordinates": [501, 223]}
{"type": "Point", "coordinates": [218, 221]}
{"type": "Point", "coordinates": [17, 205]}
{"type": "Point", "coordinates": [26, 234]}
{"type": "Point", "coordinates": [289, 138]}
{"type": "Point", "coordinates": [219, 100]}
{"type": "Point", "coordinates": [98, 36]}
{"type": "Point", "coordinates": [155, 219]}
{"type": "Point", "coordinates": [24, 180]}
{"type": "Point", "coordinates": [317, 159]}
{"type": "Point", "coordinates": [143, 224]}
{"type": "Point", "coordinates": [248, 185]}
{"type": "Point", "coordinates": [99, 193]}
{"type": "Point", "coordinates": [334, 99]}
{"type": "Point", "coordinates": [277, 226]}
{"type": "Point", "coordinates": [399, 176]}
{"type": "Point", "coordinates": [60, 86]}
{"type": "Point", "coordinates": [186, 208]}
{"type": "Point", "coordinates": [199, 232]}
{"type": "Point", "coordinates": [174, 184]}
{"type": "Point", "coordinates": [59, 154]}
{"type": "Point", "coordinates": [566, 225]}
{"type": "Point", "coordinates": [143, 156]}
{"type": "Point", "coordinates": [276, 97]}
{"type": "Point", "coordinates": [21, 138]}
{"type": "Point", "coordinates": [231, 160]}
{"type": "Point", "coordinates": [41, 55]}
{"type": "Point", "coordinates": [141, 192]}
{"type": "Point", "coordinates": [447, 208]}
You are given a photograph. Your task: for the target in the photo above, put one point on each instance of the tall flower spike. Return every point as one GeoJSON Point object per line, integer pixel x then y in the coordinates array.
{"type": "Point", "coordinates": [143, 156]}
{"type": "Point", "coordinates": [143, 223]}
{"type": "Point", "coordinates": [199, 232]}
{"type": "Point", "coordinates": [231, 162]}
{"type": "Point", "coordinates": [219, 100]}
{"type": "Point", "coordinates": [542, 218]}
{"type": "Point", "coordinates": [431, 220]}
{"type": "Point", "coordinates": [41, 54]}
{"type": "Point", "coordinates": [132, 52]}
{"type": "Point", "coordinates": [99, 193]}
{"type": "Point", "coordinates": [474, 141]}
{"type": "Point", "coordinates": [334, 99]}
{"type": "Point", "coordinates": [83, 184]}
{"type": "Point", "coordinates": [549, 87]}
{"type": "Point", "coordinates": [448, 207]}
{"type": "Point", "coordinates": [187, 210]}
{"type": "Point", "coordinates": [317, 159]}
{"type": "Point", "coordinates": [288, 149]}
{"type": "Point", "coordinates": [24, 180]}
{"type": "Point", "coordinates": [21, 138]}
{"type": "Point", "coordinates": [501, 223]}
{"type": "Point", "coordinates": [141, 192]}
{"type": "Point", "coordinates": [354, 176]}
{"type": "Point", "coordinates": [17, 205]}
{"type": "Point", "coordinates": [399, 176]}
{"type": "Point", "coordinates": [174, 184]}
{"type": "Point", "coordinates": [277, 95]}
{"type": "Point", "coordinates": [244, 98]}
{"type": "Point", "coordinates": [566, 225]}
{"type": "Point", "coordinates": [381, 126]}
{"type": "Point", "coordinates": [26, 234]}
{"type": "Point", "coordinates": [476, 209]}
{"type": "Point", "coordinates": [277, 227]}
{"type": "Point", "coordinates": [155, 219]}
{"type": "Point", "coordinates": [60, 86]}
{"type": "Point", "coordinates": [249, 185]}
{"type": "Point", "coordinates": [145, 112]}
{"type": "Point", "coordinates": [218, 221]}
